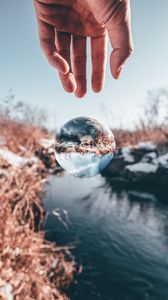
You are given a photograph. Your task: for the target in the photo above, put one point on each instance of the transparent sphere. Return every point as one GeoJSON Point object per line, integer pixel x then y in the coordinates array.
{"type": "Point", "coordinates": [84, 147]}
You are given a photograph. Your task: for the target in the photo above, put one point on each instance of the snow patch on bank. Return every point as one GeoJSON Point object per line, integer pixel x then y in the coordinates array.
{"type": "Point", "coordinates": [149, 146]}
{"type": "Point", "coordinates": [127, 156]}
{"type": "Point", "coordinates": [2, 141]}
{"type": "Point", "coordinates": [163, 160]}
{"type": "Point", "coordinates": [16, 160]}
{"type": "Point", "coordinates": [142, 167]}
{"type": "Point", "coordinates": [47, 143]}
{"type": "Point", "coordinates": [6, 291]}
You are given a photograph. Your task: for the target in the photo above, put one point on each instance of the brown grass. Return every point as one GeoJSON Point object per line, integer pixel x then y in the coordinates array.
{"type": "Point", "coordinates": [35, 268]}
{"type": "Point", "coordinates": [18, 134]}
{"type": "Point", "coordinates": [128, 137]}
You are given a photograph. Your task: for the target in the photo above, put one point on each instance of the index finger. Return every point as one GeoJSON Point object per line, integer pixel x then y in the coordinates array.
{"type": "Point", "coordinates": [47, 43]}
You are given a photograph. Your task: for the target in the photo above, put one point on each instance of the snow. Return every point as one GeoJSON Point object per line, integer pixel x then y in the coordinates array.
{"type": "Point", "coordinates": [147, 146]}
{"type": "Point", "coordinates": [150, 157]}
{"type": "Point", "coordinates": [2, 140]}
{"type": "Point", "coordinates": [142, 167]}
{"type": "Point", "coordinates": [163, 160]}
{"type": "Point", "coordinates": [47, 143]}
{"type": "Point", "coordinates": [127, 156]}
{"type": "Point", "coordinates": [16, 160]}
{"type": "Point", "coordinates": [6, 291]}
{"type": "Point", "coordinates": [149, 162]}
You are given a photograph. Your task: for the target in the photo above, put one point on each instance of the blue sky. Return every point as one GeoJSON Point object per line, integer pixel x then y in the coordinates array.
{"type": "Point", "coordinates": [24, 69]}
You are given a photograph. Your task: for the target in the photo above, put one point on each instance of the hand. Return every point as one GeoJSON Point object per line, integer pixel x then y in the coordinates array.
{"type": "Point", "coordinates": [63, 28]}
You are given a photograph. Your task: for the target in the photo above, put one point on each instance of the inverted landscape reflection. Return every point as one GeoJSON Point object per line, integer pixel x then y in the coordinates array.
{"type": "Point", "coordinates": [84, 147]}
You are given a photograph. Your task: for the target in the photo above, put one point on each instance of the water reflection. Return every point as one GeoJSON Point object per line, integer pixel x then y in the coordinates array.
{"type": "Point", "coordinates": [121, 238]}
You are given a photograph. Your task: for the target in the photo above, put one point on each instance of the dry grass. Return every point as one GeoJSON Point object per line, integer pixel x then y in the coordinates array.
{"type": "Point", "coordinates": [18, 134]}
{"type": "Point", "coordinates": [34, 268]}
{"type": "Point", "coordinates": [128, 137]}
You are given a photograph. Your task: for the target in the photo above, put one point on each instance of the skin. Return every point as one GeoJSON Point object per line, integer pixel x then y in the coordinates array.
{"type": "Point", "coordinates": [64, 26]}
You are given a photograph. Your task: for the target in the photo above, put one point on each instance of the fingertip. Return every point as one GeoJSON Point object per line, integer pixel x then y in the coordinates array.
{"type": "Point", "coordinates": [116, 74]}
{"type": "Point", "coordinates": [71, 83]}
{"type": "Point", "coordinates": [61, 64]}
{"type": "Point", "coordinates": [68, 82]}
{"type": "Point", "coordinates": [116, 64]}
{"type": "Point", "coordinates": [97, 84]}
{"type": "Point", "coordinates": [80, 94]}
{"type": "Point", "coordinates": [81, 89]}
{"type": "Point", "coordinates": [97, 89]}
{"type": "Point", "coordinates": [70, 89]}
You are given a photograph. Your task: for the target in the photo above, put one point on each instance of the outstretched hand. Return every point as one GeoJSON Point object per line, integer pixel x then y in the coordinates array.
{"type": "Point", "coordinates": [64, 26]}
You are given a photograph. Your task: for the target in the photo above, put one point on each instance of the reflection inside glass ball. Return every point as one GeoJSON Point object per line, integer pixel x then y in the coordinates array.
{"type": "Point", "coordinates": [84, 147]}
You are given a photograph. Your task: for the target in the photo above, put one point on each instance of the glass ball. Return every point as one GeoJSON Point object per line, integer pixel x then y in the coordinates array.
{"type": "Point", "coordinates": [84, 147]}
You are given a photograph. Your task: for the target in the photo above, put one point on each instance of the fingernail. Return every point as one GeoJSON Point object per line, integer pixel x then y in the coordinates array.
{"type": "Point", "coordinates": [118, 73]}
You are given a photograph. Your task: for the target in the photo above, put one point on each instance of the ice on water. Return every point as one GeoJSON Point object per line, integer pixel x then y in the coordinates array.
{"type": "Point", "coordinates": [84, 147]}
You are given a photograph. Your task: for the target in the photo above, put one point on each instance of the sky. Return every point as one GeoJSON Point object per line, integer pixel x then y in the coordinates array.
{"type": "Point", "coordinates": [25, 70]}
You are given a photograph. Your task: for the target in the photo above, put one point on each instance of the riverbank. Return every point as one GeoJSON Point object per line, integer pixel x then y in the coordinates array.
{"type": "Point", "coordinates": [30, 266]}
{"type": "Point", "coordinates": [145, 163]}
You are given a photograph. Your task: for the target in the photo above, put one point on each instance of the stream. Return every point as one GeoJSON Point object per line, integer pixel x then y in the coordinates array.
{"type": "Point", "coordinates": [120, 238]}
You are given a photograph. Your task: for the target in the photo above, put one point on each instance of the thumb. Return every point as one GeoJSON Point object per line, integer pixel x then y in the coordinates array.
{"type": "Point", "coordinates": [119, 31]}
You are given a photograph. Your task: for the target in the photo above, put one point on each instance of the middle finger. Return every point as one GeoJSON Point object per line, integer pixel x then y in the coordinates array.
{"type": "Point", "coordinates": [79, 64]}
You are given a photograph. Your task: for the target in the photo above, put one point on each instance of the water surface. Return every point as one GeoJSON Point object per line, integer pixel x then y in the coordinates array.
{"type": "Point", "coordinates": [120, 237]}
